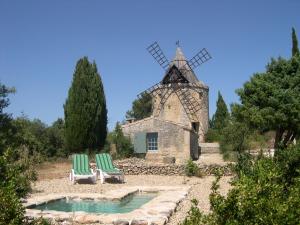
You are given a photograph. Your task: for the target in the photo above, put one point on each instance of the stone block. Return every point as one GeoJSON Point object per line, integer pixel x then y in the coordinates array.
{"type": "Point", "coordinates": [169, 160]}
{"type": "Point", "coordinates": [139, 222]}
{"type": "Point", "coordinates": [121, 222]}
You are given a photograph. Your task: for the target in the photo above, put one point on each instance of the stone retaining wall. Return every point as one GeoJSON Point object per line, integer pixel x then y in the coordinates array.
{"type": "Point", "coordinates": [172, 169]}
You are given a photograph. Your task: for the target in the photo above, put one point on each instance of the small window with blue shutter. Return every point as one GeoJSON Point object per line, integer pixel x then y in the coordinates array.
{"type": "Point", "coordinates": [140, 142]}
{"type": "Point", "coordinates": [151, 141]}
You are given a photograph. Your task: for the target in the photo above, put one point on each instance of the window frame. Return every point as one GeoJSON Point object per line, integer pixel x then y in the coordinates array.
{"type": "Point", "coordinates": [152, 142]}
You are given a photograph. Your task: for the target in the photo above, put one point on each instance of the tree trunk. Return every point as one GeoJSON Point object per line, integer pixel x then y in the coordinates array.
{"type": "Point", "coordinates": [278, 137]}
{"type": "Point", "coordinates": [287, 138]}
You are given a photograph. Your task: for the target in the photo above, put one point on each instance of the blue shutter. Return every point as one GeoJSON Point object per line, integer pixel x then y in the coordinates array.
{"type": "Point", "coordinates": [140, 142]}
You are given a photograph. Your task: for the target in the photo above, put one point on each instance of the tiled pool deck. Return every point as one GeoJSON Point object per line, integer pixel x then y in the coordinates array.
{"type": "Point", "coordinates": [156, 211]}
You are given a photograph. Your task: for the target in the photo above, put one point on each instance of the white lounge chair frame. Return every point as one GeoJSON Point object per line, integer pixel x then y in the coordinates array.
{"type": "Point", "coordinates": [74, 177]}
{"type": "Point", "coordinates": [103, 175]}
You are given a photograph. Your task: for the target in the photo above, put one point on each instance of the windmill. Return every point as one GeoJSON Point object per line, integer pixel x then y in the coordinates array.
{"type": "Point", "coordinates": [179, 79]}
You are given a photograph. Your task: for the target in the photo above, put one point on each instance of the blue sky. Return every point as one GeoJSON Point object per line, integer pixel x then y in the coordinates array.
{"type": "Point", "coordinates": [40, 42]}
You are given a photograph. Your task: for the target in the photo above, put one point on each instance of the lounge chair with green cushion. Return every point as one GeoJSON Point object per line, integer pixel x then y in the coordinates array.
{"type": "Point", "coordinates": [106, 168]}
{"type": "Point", "coordinates": [81, 168]}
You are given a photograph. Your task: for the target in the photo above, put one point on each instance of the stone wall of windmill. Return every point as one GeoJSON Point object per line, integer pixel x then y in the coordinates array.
{"type": "Point", "coordinates": [203, 114]}
{"type": "Point", "coordinates": [173, 110]}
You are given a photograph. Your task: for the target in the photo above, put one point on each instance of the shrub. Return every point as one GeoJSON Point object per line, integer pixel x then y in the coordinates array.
{"type": "Point", "coordinates": [212, 135]}
{"type": "Point", "coordinates": [38, 138]}
{"type": "Point", "coordinates": [16, 173]}
{"type": "Point", "coordinates": [191, 168]}
{"type": "Point", "coordinates": [123, 144]}
{"type": "Point", "coordinates": [195, 216]}
{"type": "Point", "coordinates": [11, 209]}
{"type": "Point", "coordinates": [267, 191]}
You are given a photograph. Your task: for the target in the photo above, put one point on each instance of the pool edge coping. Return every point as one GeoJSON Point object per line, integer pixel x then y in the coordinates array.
{"type": "Point", "coordinates": [157, 210]}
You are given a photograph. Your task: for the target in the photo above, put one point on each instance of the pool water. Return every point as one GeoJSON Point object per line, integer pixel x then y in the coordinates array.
{"type": "Point", "coordinates": [125, 205]}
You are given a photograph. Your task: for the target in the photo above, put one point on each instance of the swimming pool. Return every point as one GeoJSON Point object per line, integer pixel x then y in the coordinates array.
{"type": "Point", "coordinates": [125, 205]}
{"type": "Point", "coordinates": [157, 206]}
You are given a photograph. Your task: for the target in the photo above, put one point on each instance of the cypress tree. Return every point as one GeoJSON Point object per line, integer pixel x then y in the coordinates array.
{"type": "Point", "coordinates": [221, 116]}
{"type": "Point", "coordinates": [295, 49]}
{"type": "Point", "coordinates": [85, 109]}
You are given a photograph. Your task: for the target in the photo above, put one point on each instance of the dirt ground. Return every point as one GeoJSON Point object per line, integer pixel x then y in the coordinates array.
{"type": "Point", "coordinates": [54, 170]}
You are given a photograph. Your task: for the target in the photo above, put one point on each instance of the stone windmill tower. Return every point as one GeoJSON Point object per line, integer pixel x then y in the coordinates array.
{"type": "Point", "coordinates": [180, 97]}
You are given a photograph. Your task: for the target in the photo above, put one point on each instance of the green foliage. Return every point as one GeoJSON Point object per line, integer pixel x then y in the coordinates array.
{"type": "Point", "coordinates": [234, 138]}
{"type": "Point", "coordinates": [295, 49]}
{"type": "Point", "coordinates": [267, 191]}
{"type": "Point", "coordinates": [11, 209]}
{"type": "Point", "coordinates": [5, 119]}
{"type": "Point", "coordinates": [123, 144]}
{"type": "Point", "coordinates": [221, 117]}
{"type": "Point", "coordinates": [195, 216]}
{"type": "Point", "coordinates": [218, 122]}
{"type": "Point", "coordinates": [38, 138]}
{"type": "Point", "coordinates": [271, 100]}
{"type": "Point", "coordinates": [16, 165]}
{"type": "Point", "coordinates": [141, 108]}
{"type": "Point", "coordinates": [85, 109]}
{"type": "Point", "coordinates": [56, 139]}
{"type": "Point", "coordinates": [212, 135]}
{"type": "Point", "coordinates": [289, 163]}
{"type": "Point", "coordinates": [40, 221]}
{"type": "Point", "coordinates": [16, 173]}
{"type": "Point", "coordinates": [191, 168]}
{"type": "Point", "coordinates": [244, 164]}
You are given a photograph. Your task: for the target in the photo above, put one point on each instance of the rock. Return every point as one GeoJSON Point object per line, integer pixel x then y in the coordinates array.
{"type": "Point", "coordinates": [169, 160]}
{"type": "Point", "coordinates": [121, 222]}
{"type": "Point", "coordinates": [66, 222]}
{"type": "Point", "coordinates": [86, 219]}
{"type": "Point", "coordinates": [139, 222]}
{"type": "Point", "coordinates": [162, 222]}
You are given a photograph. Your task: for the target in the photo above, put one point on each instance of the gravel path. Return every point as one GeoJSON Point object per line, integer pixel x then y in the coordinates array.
{"type": "Point", "coordinates": [200, 189]}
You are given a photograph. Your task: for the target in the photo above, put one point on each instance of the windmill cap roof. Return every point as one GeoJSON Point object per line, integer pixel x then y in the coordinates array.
{"type": "Point", "coordinates": [181, 63]}
{"type": "Point", "coordinates": [179, 54]}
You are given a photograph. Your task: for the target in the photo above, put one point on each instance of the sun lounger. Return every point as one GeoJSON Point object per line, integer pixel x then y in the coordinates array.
{"type": "Point", "coordinates": [106, 169]}
{"type": "Point", "coordinates": [81, 168]}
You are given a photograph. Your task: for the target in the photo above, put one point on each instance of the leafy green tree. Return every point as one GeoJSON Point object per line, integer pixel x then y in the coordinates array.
{"type": "Point", "coordinates": [123, 144]}
{"type": "Point", "coordinates": [30, 135]}
{"type": "Point", "coordinates": [85, 109]}
{"type": "Point", "coordinates": [55, 139]}
{"type": "Point", "coordinates": [5, 118]}
{"type": "Point", "coordinates": [221, 116]}
{"type": "Point", "coordinates": [234, 139]}
{"type": "Point", "coordinates": [141, 108]}
{"type": "Point", "coordinates": [4, 101]}
{"type": "Point", "coordinates": [295, 49]}
{"type": "Point", "coordinates": [271, 100]}
{"type": "Point", "coordinates": [38, 138]}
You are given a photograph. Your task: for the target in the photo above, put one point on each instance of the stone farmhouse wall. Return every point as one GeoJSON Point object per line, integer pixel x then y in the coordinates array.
{"type": "Point", "coordinates": [173, 139]}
